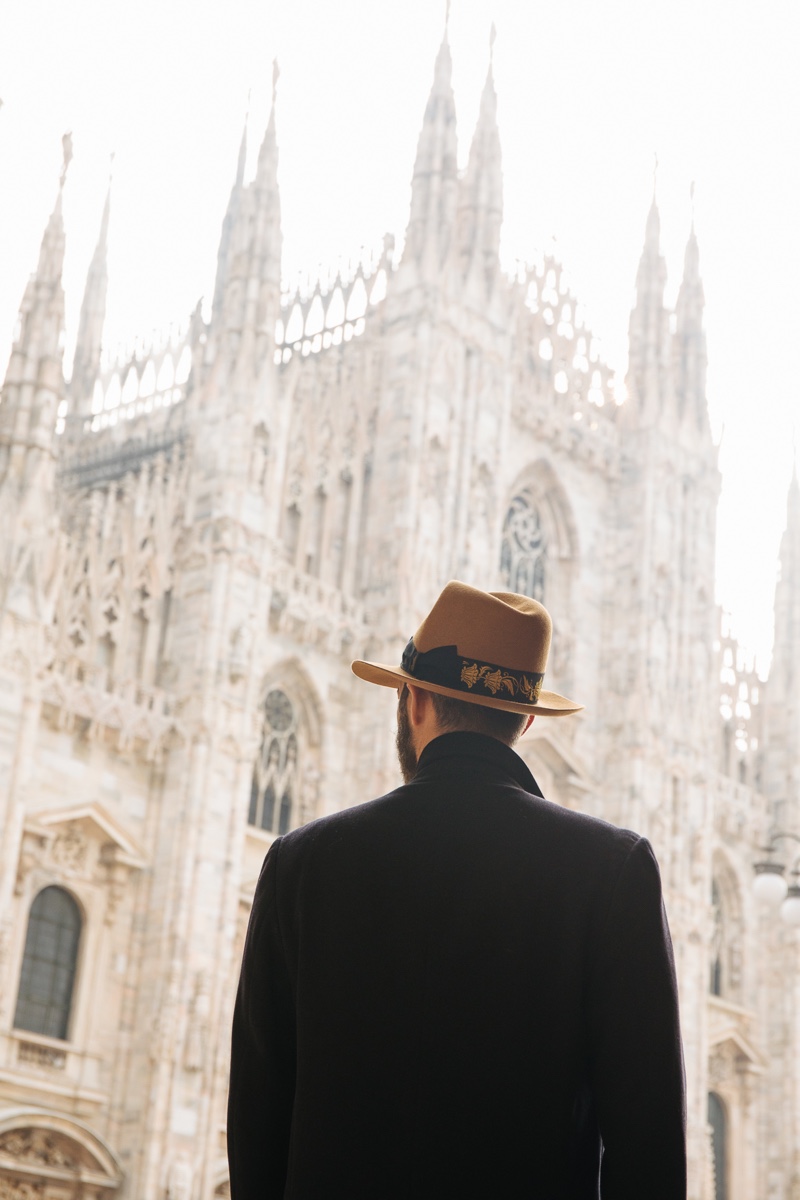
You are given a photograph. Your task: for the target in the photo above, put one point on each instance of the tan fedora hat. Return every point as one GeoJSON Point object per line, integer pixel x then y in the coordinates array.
{"type": "Point", "coordinates": [484, 647]}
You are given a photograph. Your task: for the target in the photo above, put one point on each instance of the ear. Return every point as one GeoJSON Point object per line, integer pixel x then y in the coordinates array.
{"type": "Point", "coordinates": [419, 705]}
{"type": "Point", "coordinates": [530, 721]}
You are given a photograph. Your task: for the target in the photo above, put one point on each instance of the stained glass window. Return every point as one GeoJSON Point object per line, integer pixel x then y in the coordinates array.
{"type": "Point", "coordinates": [523, 557]}
{"type": "Point", "coordinates": [274, 784]}
{"type": "Point", "coordinates": [47, 978]}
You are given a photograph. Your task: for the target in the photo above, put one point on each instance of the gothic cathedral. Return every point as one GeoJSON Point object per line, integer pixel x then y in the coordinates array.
{"type": "Point", "coordinates": [196, 540]}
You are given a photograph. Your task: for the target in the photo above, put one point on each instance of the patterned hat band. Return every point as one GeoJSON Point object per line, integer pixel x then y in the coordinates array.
{"type": "Point", "coordinates": [445, 666]}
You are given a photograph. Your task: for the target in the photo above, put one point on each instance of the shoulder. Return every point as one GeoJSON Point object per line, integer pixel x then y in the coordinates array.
{"type": "Point", "coordinates": [584, 836]}
{"type": "Point", "coordinates": [339, 823]}
{"type": "Point", "coordinates": [337, 830]}
{"type": "Point", "coordinates": [597, 831]}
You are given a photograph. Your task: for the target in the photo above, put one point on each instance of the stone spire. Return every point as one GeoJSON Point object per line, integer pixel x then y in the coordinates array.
{"type": "Point", "coordinates": [480, 204]}
{"type": "Point", "coordinates": [434, 183]}
{"type": "Point", "coordinates": [86, 364]}
{"type": "Point", "coordinates": [228, 224]}
{"type": "Point", "coordinates": [781, 776]}
{"type": "Point", "coordinates": [648, 330]}
{"type": "Point", "coordinates": [690, 341]}
{"type": "Point", "coordinates": [266, 244]}
{"type": "Point", "coordinates": [248, 291]}
{"type": "Point", "coordinates": [34, 383]}
{"type": "Point", "coordinates": [785, 673]}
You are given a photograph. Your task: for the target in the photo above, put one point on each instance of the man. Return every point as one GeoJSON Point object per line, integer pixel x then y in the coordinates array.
{"type": "Point", "coordinates": [459, 989]}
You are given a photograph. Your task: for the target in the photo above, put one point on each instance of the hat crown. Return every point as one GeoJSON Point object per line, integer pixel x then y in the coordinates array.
{"type": "Point", "coordinates": [504, 628]}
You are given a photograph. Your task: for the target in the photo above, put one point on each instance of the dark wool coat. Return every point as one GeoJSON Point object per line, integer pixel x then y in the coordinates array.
{"type": "Point", "coordinates": [458, 990]}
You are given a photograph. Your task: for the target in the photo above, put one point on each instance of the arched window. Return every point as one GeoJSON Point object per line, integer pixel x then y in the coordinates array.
{"type": "Point", "coordinates": [719, 1143]}
{"type": "Point", "coordinates": [273, 791]}
{"type": "Point", "coordinates": [47, 978]}
{"type": "Point", "coordinates": [717, 941]}
{"type": "Point", "coordinates": [726, 952]}
{"type": "Point", "coordinates": [523, 556]}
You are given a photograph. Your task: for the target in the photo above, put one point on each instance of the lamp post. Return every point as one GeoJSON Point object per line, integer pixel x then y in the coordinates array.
{"type": "Point", "coordinates": [770, 885]}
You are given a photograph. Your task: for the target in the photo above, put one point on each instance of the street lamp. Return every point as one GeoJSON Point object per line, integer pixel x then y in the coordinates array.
{"type": "Point", "coordinates": [790, 909]}
{"type": "Point", "coordinates": [770, 886]}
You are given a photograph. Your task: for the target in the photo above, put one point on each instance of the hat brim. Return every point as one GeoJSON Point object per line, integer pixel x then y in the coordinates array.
{"type": "Point", "coordinates": [549, 704]}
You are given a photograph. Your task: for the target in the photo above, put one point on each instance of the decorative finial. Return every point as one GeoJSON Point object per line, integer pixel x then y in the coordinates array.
{"type": "Point", "coordinates": [691, 200]}
{"type": "Point", "coordinates": [655, 173]}
{"type": "Point", "coordinates": [66, 147]}
{"type": "Point", "coordinates": [446, 18]}
{"type": "Point", "coordinates": [276, 74]}
{"type": "Point", "coordinates": [492, 40]}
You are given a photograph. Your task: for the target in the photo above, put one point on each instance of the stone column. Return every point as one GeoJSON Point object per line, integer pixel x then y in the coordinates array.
{"type": "Point", "coordinates": [12, 819]}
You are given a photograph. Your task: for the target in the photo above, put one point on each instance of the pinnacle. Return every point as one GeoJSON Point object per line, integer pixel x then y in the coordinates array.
{"type": "Point", "coordinates": [242, 159]}
{"type": "Point", "coordinates": [653, 228]}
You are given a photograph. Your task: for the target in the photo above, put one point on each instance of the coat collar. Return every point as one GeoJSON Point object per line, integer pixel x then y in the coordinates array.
{"type": "Point", "coordinates": [474, 751]}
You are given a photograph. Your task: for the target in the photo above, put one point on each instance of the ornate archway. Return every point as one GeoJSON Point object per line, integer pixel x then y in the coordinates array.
{"type": "Point", "coordinates": [45, 1156]}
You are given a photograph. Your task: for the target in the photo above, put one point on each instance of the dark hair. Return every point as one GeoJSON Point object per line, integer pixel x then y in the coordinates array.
{"type": "Point", "coordinates": [477, 718]}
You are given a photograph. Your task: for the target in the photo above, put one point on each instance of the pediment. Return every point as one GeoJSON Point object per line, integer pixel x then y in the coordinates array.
{"type": "Point", "coordinates": [728, 1036]}
{"type": "Point", "coordinates": [95, 823]}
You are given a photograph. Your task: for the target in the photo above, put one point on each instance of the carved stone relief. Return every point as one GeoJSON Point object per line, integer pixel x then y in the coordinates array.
{"type": "Point", "coordinates": [31, 854]}
{"type": "Point", "coordinates": [722, 1067]}
{"type": "Point", "coordinates": [164, 1028]}
{"type": "Point", "coordinates": [17, 1189]}
{"type": "Point", "coordinates": [563, 648]}
{"type": "Point", "coordinates": [196, 1043]}
{"type": "Point", "coordinates": [178, 1180]}
{"type": "Point", "coordinates": [70, 849]}
{"type": "Point", "coordinates": [38, 1146]}
{"type": "Point", "coordinates": [480, 543]}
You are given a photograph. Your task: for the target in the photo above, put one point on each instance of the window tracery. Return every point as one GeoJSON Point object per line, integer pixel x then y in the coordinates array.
{"type": "Point", "coordinates": [523, 555]}
{"type": "Point", "coordinates": [726, 963]}
{"type": "Point", "coordinates": [274, 789]}
{"type": "Point", "coordinates": [717, 941]}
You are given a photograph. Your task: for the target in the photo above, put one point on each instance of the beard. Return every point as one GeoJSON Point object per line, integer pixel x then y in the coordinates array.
{"type": "Point", "coordinates": [406, 754]}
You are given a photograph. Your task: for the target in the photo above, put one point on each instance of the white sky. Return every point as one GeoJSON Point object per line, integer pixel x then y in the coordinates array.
{"type": "Point", "coordinates": [588, 92]}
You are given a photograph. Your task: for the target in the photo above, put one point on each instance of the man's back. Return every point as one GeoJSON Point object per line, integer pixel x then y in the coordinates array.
{"type": "Point", "coordinates": [461, 983]}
